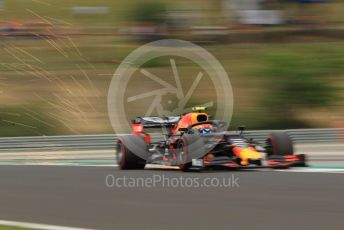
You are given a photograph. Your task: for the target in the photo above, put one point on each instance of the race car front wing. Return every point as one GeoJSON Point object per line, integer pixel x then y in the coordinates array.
{"type": "Point", "coordinates": [273, 161]}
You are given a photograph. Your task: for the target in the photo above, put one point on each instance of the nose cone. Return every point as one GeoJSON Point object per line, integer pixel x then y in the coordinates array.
{"type": "Point", "coordinates": [249, 153]}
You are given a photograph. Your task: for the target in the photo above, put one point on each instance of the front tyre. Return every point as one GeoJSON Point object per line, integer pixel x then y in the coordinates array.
{"type": "Point", "coordinates": [279, 144]}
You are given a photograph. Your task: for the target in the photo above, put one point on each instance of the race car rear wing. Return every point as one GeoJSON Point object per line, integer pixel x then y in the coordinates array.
{"type": "Point", "coordinates": [157, 122]}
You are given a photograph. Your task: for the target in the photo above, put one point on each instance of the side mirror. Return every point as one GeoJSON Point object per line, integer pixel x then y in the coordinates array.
{"type": "Point", "coordinates": [241, 128]}
{"type": "Point", "coordinates": [183, 130]}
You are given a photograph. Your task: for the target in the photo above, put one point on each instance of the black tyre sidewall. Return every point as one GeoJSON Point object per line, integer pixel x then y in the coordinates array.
{"type": "Point", "coordinates": [130, 160]}
{"type": "Point", "coordinates": [281, 144]}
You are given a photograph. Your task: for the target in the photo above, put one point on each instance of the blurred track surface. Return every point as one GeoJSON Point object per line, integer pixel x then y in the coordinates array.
{"type": "Point", "coordinates": [79, 197]}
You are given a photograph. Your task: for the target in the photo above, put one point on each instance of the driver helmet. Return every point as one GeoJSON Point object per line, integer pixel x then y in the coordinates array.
{"type": "Point", "coordinates": [204, 129]}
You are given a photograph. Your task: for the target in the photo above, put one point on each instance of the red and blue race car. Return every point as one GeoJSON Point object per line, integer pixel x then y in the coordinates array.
{"type": "Point", "coordinates": [192, 141]}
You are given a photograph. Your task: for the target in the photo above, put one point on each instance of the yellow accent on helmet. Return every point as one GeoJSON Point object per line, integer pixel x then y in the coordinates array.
{"type": "Point", "coordinates": [199, 108]}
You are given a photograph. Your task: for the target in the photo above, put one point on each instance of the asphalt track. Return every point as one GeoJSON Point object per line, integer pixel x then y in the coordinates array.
{"type": "Point", "coordinates": [79, 197]}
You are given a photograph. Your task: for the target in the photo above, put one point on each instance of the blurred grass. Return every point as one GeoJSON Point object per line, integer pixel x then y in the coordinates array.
{"type": "Point", "coordinates": [122, 11]}
{"type": "Point", "coordinates": [256, 72]}
{"type": "Point", "coordinates": [301, 82]}
{"type": "Point", "coordinates": [28, 120]}
{"type": "Point", "coordinates": [61, 10]}
{"type": "Point", "coordinates": [64, 83]}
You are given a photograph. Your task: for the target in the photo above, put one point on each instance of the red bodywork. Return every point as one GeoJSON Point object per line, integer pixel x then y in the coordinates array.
{"type": "Point", "coordinates": [137, 129]}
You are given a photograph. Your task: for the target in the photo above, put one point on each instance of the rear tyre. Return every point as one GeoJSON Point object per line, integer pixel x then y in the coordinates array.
{"type": "Point", "coordinates": [131, 152]}
{"type": "Point", "coordinates": [279, 143]}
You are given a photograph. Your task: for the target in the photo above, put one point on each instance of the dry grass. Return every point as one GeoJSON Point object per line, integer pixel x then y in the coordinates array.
{"type": "Point", "coordinates": [54, 87]}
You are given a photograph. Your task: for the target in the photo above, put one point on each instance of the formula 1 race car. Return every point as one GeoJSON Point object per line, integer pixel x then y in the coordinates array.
{"type": "Point", "coordinates": [192, 141]}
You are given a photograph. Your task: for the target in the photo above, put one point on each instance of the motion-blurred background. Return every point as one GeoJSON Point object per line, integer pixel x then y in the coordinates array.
{"type": "Point", "coordinates": [285, 58]}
